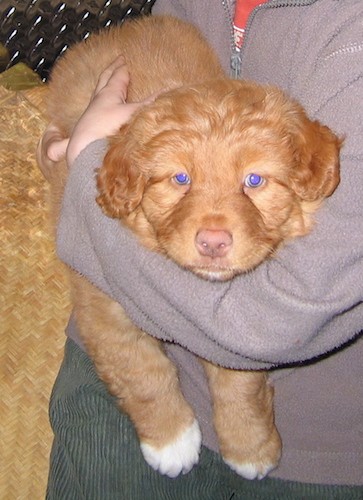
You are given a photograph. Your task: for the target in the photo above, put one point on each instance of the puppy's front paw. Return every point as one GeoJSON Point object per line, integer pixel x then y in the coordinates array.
{"type": "Point", "coordinates": [257, 463]}
{"type": "Point", "coordinates": [177, 457]}
{"type": "Point", "coordinates": [251, 470]}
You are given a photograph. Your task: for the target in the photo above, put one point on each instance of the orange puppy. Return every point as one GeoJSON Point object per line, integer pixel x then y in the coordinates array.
{"type": "Point", "coordinates": [216, 174]}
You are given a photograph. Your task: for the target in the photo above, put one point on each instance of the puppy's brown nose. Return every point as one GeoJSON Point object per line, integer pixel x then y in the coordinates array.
{"type": "Point", "coordinates": [213, 243]}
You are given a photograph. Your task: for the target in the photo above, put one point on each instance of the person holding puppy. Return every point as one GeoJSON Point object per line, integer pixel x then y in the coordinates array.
{"type": "Point", "coordinates": [299, 315]}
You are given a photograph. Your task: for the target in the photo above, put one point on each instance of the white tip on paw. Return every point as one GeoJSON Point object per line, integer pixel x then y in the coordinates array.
{"type": "Point", "coordinates": [250, 471]}
{"type": "Point", "coordinates": [177, 457]}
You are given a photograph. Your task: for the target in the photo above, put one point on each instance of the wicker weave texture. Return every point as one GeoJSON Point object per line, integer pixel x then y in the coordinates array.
{"type": "Point", "coordinates": [33, 298]}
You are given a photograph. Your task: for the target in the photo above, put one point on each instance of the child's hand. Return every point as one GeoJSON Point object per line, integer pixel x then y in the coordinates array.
{"type": "Point", "coordinates": [105, 114]}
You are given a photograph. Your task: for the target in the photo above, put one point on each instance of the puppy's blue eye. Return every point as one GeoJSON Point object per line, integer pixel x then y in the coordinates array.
{"type": "Point", "coordinates": [182, 179]}
{"type": "Point", "coordinates": [253, 180]}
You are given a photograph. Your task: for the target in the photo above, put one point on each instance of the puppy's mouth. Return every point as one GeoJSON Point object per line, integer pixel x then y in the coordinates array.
{"type": "Point", "coordinates": [222, 269]}
{"type": "Point", "coordinates": [214, 273]}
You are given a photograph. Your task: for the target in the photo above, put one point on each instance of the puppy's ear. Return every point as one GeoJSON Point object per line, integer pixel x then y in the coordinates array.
{"type": "Point", "coordinates": [120, 183]}
{"type": "Point", "coordinates": [317, 152]}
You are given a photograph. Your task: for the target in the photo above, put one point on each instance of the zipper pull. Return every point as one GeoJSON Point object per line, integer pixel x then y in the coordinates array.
{"type": "Point", "coordinates": [235, 70]}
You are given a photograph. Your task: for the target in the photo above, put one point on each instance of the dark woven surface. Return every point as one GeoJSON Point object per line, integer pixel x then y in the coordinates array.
{"type": "Point", "coordinates": [36, 32]}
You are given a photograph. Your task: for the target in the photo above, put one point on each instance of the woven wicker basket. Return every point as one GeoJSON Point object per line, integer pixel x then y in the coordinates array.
{"type": "Point", "coordinates": [34, 299]}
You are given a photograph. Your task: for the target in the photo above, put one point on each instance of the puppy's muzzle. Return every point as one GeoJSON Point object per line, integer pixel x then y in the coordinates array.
{"type": "Point", "coordinates": [213, 243]}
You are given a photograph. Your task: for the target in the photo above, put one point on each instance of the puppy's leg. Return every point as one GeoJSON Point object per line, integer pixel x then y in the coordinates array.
{"type": "Point", "coordinates": [145, 382]}
{"type": "Point", "coordinates": [244, 420]}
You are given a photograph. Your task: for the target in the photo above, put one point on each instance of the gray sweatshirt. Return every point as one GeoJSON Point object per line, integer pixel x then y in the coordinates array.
{"type": "Point", "coordinates": [302, 309]}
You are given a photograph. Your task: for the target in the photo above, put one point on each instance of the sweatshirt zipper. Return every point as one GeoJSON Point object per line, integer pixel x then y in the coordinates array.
{"type": "Point", "coordinates": [235, 60]}
{"type": "Point", "coordinates": [237, 55]}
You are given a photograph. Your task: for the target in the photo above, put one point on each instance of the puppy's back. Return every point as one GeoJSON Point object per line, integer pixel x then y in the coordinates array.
{"type": "Point", "coordinates": [161, 52]}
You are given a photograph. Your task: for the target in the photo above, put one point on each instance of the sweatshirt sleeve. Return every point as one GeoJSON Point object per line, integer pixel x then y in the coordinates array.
{"type": "Point", "coordinates": [305, 302]}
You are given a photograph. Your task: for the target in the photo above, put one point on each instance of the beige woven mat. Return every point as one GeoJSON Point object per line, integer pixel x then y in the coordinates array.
{"type": "Point", "coordinates": [34, 303]}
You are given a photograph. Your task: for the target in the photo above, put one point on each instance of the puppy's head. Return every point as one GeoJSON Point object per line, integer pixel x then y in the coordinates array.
{"type": "Point", "coordinates": [219, 175]}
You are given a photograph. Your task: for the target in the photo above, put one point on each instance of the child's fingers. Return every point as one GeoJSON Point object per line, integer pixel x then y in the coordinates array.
{"type": "Point", "coordinates": [119, 81]}
{"type": "Point", "coordinates": [57, 150]}
{"type": "Point", "coordinates": [51, 149]}
{"type": "Point", "coordinates": [115, 75]}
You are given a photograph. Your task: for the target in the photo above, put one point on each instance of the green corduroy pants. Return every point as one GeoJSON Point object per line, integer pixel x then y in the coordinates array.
{"type": "Point", "coordinates": [96, 454]}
